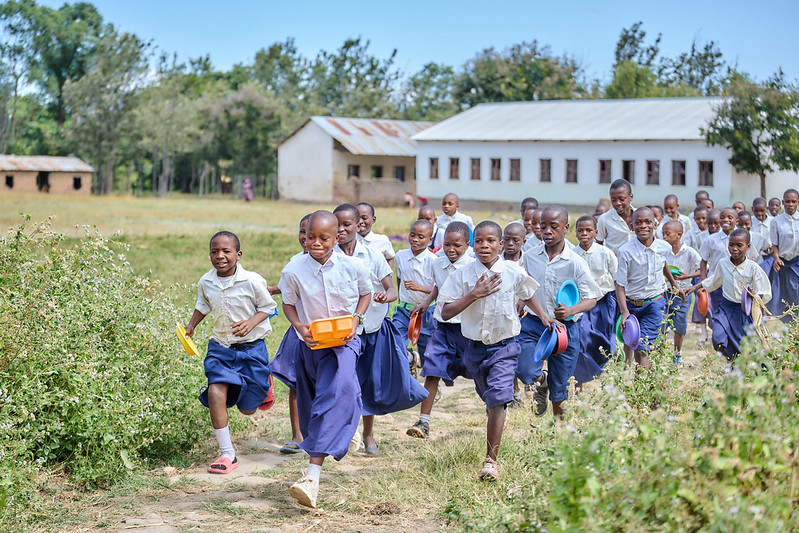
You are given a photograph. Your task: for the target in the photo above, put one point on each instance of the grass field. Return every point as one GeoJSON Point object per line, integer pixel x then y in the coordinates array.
{"type": "Point", "coordinates": [625, 421]}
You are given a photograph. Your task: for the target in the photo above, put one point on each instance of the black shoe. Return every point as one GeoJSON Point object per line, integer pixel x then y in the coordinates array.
{"type": "Point", "coordinates": [541, 395]}
{"type": "Point", "coordinates": [420, 430]}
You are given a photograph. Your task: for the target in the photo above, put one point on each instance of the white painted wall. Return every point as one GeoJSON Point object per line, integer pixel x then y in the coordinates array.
{"type": "Point", "coordinates": [305, 166]}
{"type": "Point", "coordinates": [587, 190]}
{"type": "Point", "coordinates": [745, 187]}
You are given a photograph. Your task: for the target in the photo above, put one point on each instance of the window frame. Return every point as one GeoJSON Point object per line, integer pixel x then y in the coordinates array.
{"type": "Point", "coordinates": [544, 170]}
{"type": "Point", "coordinates": [571, 171]}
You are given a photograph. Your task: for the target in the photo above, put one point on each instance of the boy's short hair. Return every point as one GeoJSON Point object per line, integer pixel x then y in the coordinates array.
{"type": "Point", "coordinates": [671, 197]}
{"type": "Point", "coordinates": [529, 200]}
{"type": "Point", "coordinates": [653, 207]}
{"type": "Point", "coordinates": [458, 228]}
{"type": "Point", "coordinates": [621, 183]}
{"type": "Point", "coordinates": [348, 208]}
{"type": "Point", "coordinates": [533, 209]}
{"type": "Point", "coordinates": [586, 218]}
{"type": "Point", "coordinates": [489, 224]}
{"type": "Point", "coordinates": [790, 191]}
{"type": "Point", "coordinates": [457, 199]}
{"type": "Point", "coordinates": [367, 204]}
{"type": "Point", "coordinates": [306, 217]}
{"type": "Point", "coordinates": [700, 208]}
{"type": "Point", "coordinates": [423, 222]}
{"type": "Point", "coordinates": [675, 224]}
{"type": "Point", "coordinates": [514, 225]}
{"type": "Point", "coordinates": [229, 235]}
{"type": "Point", "coordinates": [774, 199]}
{"type": "Point", "coordinates": [738, 232]}
{"type": "Point", "coordinates": [744, 214]}
{"type": "Point", "coordinates": [561, 211]}
{"type": "Point", "coordinates": [759, 201]}
{"type": "Point", "coordinates": [702, 194]}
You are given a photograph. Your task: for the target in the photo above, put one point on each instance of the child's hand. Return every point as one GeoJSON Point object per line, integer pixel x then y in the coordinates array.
{"type": "Point", "coordinates": [355, 322]}
{"type": "Point", "coordinates": [380, 297]}
{"type": "Point", "coordinates": [778, 264]}
{"type": "Point", "coordinates": [486, 285]}
{"type": "Point", "coordinates": [243, 327]}
{"type": "Point", "coordinates": [683, 294]}
{"type": "Point", "coordinates": [305, 331]}
{"type": "Point", "coordinates": [189, 330]}
{"type": "Point", "coordinates": [562, 312]}
{"type": "Point", "coordinates": [420, 308]}
{"type": "Point", "coordinates": [520, 308]}
{"type": "Point", "coordinates": [412, 285]}
{"type": "Point", "coordinates": [624, 317]}
{"type": "Point", "coordinates": [273, 289]}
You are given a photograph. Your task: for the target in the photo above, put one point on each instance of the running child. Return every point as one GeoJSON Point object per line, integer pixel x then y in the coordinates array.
{"type": "Point", "coordinates": [598, 325]}
{"type": "Point", "coordinates": [327, 284]}
{"type": "Point", "coordinates": [428, 213]}
{"type": "Point", "coordinates": [554, 263]}
{"type": "Point", "coordinates": [698, 232]}
{"type": "Point", "coordinates": [641, 284]}
{"type": "Point", "coordinates": [484, 293]}
{"type": "Point", "coordinates": [714, 249]}
{"type": "Point", "coordinates": [375, 241]}
{"type": "Point", "coordinates": [446, 349]}
{"type": "Point", "coordinates": [450, 205]}
{"type": "Point", "coordinates": [237, 362]}
{"type": "Point", "coordinates": [785, 252]}
{"type": "Point", "coordinates": [687, 260]}
{"type": "Point", "coordinates": [615, 228]}
{"type": "Point", "coordinates": [732, 274]}
{"type": "Point", "coordinates": [761, 233]}
{"type": "Point", "coordinates": [671, 206]}
{"type": "Point", "coordinates": [756, 244]}
{"type": "Point", "coordinates": [513, 240]}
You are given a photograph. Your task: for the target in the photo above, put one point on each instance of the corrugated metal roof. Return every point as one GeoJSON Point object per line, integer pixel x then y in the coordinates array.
{"type": "Point", "coordinates": [363, 136]}
{"type": "Point", "coordinates": [43, 163]}
{"type": "Point", "coordinates": [578, 120]}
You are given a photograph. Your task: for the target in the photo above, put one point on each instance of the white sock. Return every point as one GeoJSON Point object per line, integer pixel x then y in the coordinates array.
{"type": "Point", "coordinates": [424, 418]}
{"type": "Point", "coordinates": [223, 438]}
{"type": "Point", "coordinates": [314, 472]}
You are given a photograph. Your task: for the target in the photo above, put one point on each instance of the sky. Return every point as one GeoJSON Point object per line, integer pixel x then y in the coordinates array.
{"type": "Point", "coordinates": [758, 37]}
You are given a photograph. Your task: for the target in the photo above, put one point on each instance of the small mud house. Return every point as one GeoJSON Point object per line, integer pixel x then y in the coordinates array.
{"type": "Point", "coordinates": [333, 159]}
{"type": "Point", "coordinates": [47, 174]}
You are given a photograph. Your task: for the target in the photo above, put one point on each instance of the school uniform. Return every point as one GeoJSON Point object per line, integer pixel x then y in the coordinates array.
{"type": "Point", "coordinates": [379, 243]}
{"type": "Point", "coordinates": [551, 274]}
{"type": "Point", "coordinates": [687, 260]}
{"type": "Point", "coordinates": [443, 220]}
{"type": "Point", "coordinates": [785, 283]}
{"type": "Point", "coordinates": [686, 222]}
{"type": "Point", "coordinates": [241, 362]}
{"type": "Point", "coordinates": [694, 237]}
{"type": "Point", "coordinates": [283, 365]}
{"type": "Point", "coordinates": [641, 274]}
{"type": "Point", "coordinates": [445, 351]}
{"type": "Point", "coordinates": [329, 401]}
{"type": "Point", "coordinates": [417, 268]}
{"type": "Point", "coordinates": [713, 250]}
{"type": "Point", "coordinates": [761, 242]}
{"type": "Point", "coordinates": [612, 230]}
{"type": "Point", "coordinates": [730, 322]}
{"type": "Point", "coordinates": [530, 242]}
{"type": "Point", "coordinates": [490, 324]}
{"type": "Point", "coordinates": [598, 326]}
{"type": "Point", "coordinates": [438, 239]}
{"type": "Point", "coordinates": [383, 374]}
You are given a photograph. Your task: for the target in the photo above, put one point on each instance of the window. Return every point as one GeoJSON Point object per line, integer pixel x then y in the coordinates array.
{"type": "Point", "coordinates": [353, 171]}
{"type": "Point", "coordinates": [475, 169]}
{"type": "Point", "coordinates": [706, 173]}
{"type": "Point", "coordinates": [454, 164]}
{"type": "Point", "coordinates": [545, 170]}
{"type": "Point", "coordinates": [399, 173]}
{"type": "Point", "coordinates": [496, 169]}
{"type": "Point", "coordinates": [515, 170]}
{"type": "Point", "coordinates": [628, 170]}
{"type": "Point", "coordinates": [10, 182]}
{"type": "Point", "coordinates": [77, 183]}
{"type": "Point", "coordinates": [678, 172]}
{"type": "Point", "coordinates": [377, 171]}
{"type": "Point", "coordinates": [571, 171]}
{"type": "Point", "coordinates": [653, 172]}
{"type": "Point", "coordinates": [604, 171]}
{"type": "Point", "coordinates": [433, 168]}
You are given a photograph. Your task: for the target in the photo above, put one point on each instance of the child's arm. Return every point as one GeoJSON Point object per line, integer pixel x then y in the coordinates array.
{"type": "Point", "coordinates": [273, 289]}
{"type": "Point", "coordinates": [485, 286]}
{"type": "Point", "coordinates": [535, 307]}
{"type": "Point", "coordinates": [621, 301]}
{"type": "Point", "coordinates": [775, 253]}
{"type": "Point", "coordinates": [562, 312]}
{"type": "Point", "coordinates": [303, 329]}
{"type": "Point", "coordinates": [422, 307]}
{"type": "Point", "coordinates": [703, 269]}
{"type": "Point", "coordinates": [196, 318]}
{"type": "Point", "coordinates": [389, 293]}
{"type": "Point", "coordinates": [413, 286]}
{"type": "Point", "coordinates": [242, 328]}
{"type": "Point", "coordinates": [670, 279]}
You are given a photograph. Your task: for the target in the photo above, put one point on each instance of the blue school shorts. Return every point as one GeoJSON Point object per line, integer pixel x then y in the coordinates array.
{"type": "Point", "coordinates": [492, 367]}
{"type": "Point", "coordinates": [244, 367]}
{"type": "Point", "coordinates": [677, 311]}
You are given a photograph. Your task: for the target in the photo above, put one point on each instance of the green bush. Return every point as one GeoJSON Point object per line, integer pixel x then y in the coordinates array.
{"type": "Point", "coordinates": [92, 380]}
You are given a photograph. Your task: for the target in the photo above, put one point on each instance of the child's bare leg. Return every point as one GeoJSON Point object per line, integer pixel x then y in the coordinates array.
{"type": "Point", "coordinates": [678, 339]}
{"type": "Point", "coordinates": [431, 384]}
{"type": "Point", "coordinates": [494, 427]}
{"type": "Point", "coordinates": [642, 358]}
{"type": "Point", "coordinates": [217, 404]}
{"type": "Point", "coordinates": [557, 409]}
{"type": "Point", "coordinates": [369, 431]}
{"type": "Point", "coordinates": [628, 354]}
{"type": "Point", "coordinates": [294, 416]}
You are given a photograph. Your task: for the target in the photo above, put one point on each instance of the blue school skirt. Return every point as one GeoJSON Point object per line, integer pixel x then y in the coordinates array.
{"type": "Point", "coordinates": [328, 398]}
{"type": "Point", "coordinates": [244, 367]}
{"type": "Point", "coordinates": [383, 373]}
{"type": "Point", "coordinates": [283, 364]}
{"type": "Point", "coordinates": [729, 327]}
{"type": "Point", "coordinates": [650, 319]}
{"type": "Point", "coordinates": [597, 334]}
{"type": "Point", "coordinates": [493, 367]}
{"type": "Point", "coordinates": [560, 367]}
{"type": "Point", "coordinates": [444, 355]}
{"type": "Point", "coordinates": [784, 288]}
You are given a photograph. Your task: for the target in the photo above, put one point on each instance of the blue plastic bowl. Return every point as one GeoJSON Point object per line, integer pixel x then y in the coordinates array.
{"type": "Point", "coordinates": [546, 345]}
{"type": "Point", "coordinates": [568, 295]}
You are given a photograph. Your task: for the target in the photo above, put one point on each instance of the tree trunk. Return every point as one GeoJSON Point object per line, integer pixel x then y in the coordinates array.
{"type": "Point", "coordinates": [109, 175]}
{"type": "Point", "coordinates": [155, 172]}
{"type": "Point", "coordinates": [763, 183]}
{"type": "Point", "coordinates": [140, 174]}
{"type": "Point", "coordinates": [130, 178]}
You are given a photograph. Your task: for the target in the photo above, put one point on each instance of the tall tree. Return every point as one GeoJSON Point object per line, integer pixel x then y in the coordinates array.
{"type": "Point", "coordinates": [759, 124]}
{"type": "Point", "coordinates": [427, 94]}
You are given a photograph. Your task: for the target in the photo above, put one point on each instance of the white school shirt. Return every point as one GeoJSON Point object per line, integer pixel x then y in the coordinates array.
{"type": "Point", "coordinates": [613, 231]}
{"type": "Point", "coordinates": [761, 238]}
{"type": "Point", "coordinates": [714, 249]}
{"type": "Point", "coordinates": [326, 291]}
{"type": "Point", "coordinates": [493, 318]}
{"type": "Point", "coordinates": [603, 265]}
{"type": "Point", "coordinates": [695, 237]}
{"type": "Point", "coordinates": [379, 242]}
{"type": "Point", "coordinates": [417, 268]}
{"type": "Point", "coordinates": [641, 269]}
{"type": "Point", "coordinates": [442, 268]}
{"type": "Point", "coordinates": [552, 274]}
{"type": "Point", "coordinates": [378, 269]}
{"type": "Point", "coordinates": [438, 237]}
{"type": "Point", "coordinates": [687, 260]}
{"type": "Point", "coordinates": [729, 277]}
{"type": "Point", "coordinates": [785, 234]}
{"type": "Point", "coordinates": [686, 222]}
{"type": "Point", "coordinates": [530, 242]}
{"type": "Point", "coordinates": [443, 220]}
{"type": "Point", "coordinates": [234, 300]}
{"type": "Point", "coordinates": [289, 265]}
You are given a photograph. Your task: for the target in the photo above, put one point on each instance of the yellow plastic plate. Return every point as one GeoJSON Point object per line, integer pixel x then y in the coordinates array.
{"type": "Point", "coordinates": [330, 332]}
{"type": "Point", "coordinates": [186, 341]}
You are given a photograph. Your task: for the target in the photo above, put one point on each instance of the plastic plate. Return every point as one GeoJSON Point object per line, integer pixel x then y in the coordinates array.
{"type": "Point", "coordinates": [746, 301]}
{"type": "Point", "coordinates": [631, 332]}
{"type": "Point", "coordinates": [546, 345]}
{"type": "Point", "coordinates": [702, 302]}
{"type": "Point", "coordinates": [415, 328]}
{"type": "Point", "coordinates": [186, 341]}
{"type": "Point", "coordinates": [568, 295]}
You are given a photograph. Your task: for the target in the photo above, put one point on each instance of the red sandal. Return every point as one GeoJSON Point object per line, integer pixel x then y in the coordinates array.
{"type": "Point", "coordinates": [223, 465]}
{"type": "Point", "coordinates": [269, 401]}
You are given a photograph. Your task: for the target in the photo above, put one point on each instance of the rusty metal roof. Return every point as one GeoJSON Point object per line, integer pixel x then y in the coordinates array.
{"type": "Point", "coordinates": [42, 163]}
{"type": "Point", "coordinates": [363, 136]}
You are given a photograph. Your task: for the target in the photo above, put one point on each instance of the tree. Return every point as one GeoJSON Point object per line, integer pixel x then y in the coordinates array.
{"type": "Point", "coordinates": [427, 95]}
{"type": "Point", "coordinates": [759, 124]}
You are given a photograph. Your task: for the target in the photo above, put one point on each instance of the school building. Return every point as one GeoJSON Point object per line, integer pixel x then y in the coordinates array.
{"type": "Point", "coordinates": [569, 151]}
{"type": "Point", "coordinates": [333, 159]}
{"type": "Point", "coordinates": [46, 174]}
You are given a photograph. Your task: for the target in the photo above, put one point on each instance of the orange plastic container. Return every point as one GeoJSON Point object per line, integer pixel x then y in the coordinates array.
{"type": "Point", "coordinates": [330, 332]}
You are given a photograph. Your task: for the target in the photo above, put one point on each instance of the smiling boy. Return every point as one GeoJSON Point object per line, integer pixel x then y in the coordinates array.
{"type": "Point", "coordinates": [375, 241]}
{"type": "Point", "coordinates": [615, 228]}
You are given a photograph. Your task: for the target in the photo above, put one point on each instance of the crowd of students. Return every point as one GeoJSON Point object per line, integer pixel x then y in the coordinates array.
{"type": "Point", "coordinates": [485, 296]}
